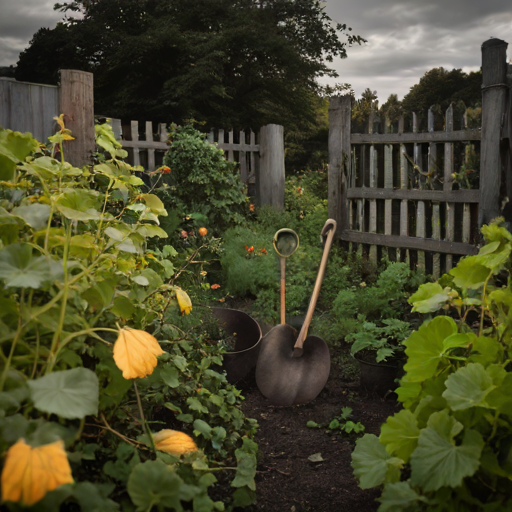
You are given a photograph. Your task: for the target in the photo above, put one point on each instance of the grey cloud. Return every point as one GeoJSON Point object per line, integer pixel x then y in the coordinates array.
{"type": "Point", "coordinates": [406, 38]}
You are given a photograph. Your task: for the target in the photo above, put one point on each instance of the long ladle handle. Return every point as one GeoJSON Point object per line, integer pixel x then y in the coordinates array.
{"type": "Point", "coordinates": [282, 263]}
{"type": "Point", "coordinates": [329, 229]}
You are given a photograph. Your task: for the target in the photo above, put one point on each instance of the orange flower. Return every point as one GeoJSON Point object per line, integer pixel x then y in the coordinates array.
{"type": "Point", "coordinates": [203, 231]}
{"type": "Point", "coordinates": [135, 353]}
{"type": "Point", "coordinates": [251, 207]}
{"type": "Point", "coordinates": [165, 170]}
{"type": "Point", "coordinates": [249, 249]}
{"type": "Point", "coordinates": [29, 473]}
{"type": "Point", "coordinates": [215, 286]}
{"type": "Point", "coordinates": [263, 251]}
{"type": "Point", "coordinates": [174, 442]}
{"type": "Point", "coordinates": [183, 233]}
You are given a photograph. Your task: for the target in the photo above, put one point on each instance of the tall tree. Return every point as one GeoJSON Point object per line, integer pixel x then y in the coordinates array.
{"type": "Point", "coordinates": [237, 63]}
{"type": "Point", "coordinates": [441, 87]}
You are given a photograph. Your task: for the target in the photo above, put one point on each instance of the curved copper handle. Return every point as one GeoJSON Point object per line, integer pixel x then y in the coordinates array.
{"type": "Point", "coordinates": [328, 231]}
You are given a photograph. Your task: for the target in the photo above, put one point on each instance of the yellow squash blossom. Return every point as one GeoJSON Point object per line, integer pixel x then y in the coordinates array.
{"type": "Point", "coordinates": [66, 134]}
{"type": "Point", "coordinates": [29, 473]}
{"type": "Point", "coordinates": [184, 301]}
{"type": "Point", "coordinates": [174, 442]}
{"type": "Point", "coordinates": [135, 353]}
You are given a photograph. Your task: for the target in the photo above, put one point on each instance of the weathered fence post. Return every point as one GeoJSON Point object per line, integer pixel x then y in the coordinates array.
{"type": "Point", "coordinates": [340, 112]}
{"type": "Point", "coordinates": [77, 105]}
{"type": "Point", "coordinates": [494, 95]}
{"type": "Point", "coordinates": [270, 176]}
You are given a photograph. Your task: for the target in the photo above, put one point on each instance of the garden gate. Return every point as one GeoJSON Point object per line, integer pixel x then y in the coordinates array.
{"type": "Point", "coordinates": [421, 196]}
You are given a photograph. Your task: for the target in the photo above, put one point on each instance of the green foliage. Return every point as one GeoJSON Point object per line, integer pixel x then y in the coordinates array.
{"type": "Point", "coordinates": [74, 263]}
{"type": "Point", "coordinates": [202, 181]}
{"type": "Point", "coordinates": [340, 423]}
{"type": "Point", "coordinates": [367, 311]}
{"type": "Point", "coordinates": [450, 445]}
{"type": "Point", "coordinates": [441, 87]}
{"type": "Point", "coordinates": [256, 272]}
{"type": "Point", "coordinates": [386, 341]}
{"type": "Point", "coordinates": [227, 63]}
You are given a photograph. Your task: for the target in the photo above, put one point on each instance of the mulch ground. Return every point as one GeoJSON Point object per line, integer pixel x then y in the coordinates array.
{"type": "Point", "coordinates": [286, 479]}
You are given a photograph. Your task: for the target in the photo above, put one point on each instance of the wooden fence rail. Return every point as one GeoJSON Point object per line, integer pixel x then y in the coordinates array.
{"type": "Point", "coordinates": [421, 196]}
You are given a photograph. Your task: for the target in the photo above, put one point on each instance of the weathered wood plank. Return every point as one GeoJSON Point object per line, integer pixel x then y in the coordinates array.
{"type": "Point", "coordinates": [270, 179]}
{"type": "Point", "coordinates": [339, 159]}
{"type": "Point", "coordinates": [144, 144]}
{"type": "Point", "coordinates": [411, 242]}
{"type": "Point", "coordinates": [453, 196]}
{"type": "Point", "coordinates": [436, 214]}
{"type": "Point", "coordinates": [404, 183]}
{"type": "Point", "coordinates": [494, 94]}
{"type": "Point", "coordinates": [447, 185]}
{"type": "Point", "coordinates": [372, 227]}
{"type": "Point", "coordinates": [388, 184]}
{"type": "Point", "coordinates": [418, 138]}
{"type": "Point", "coordinates": [77, 105]}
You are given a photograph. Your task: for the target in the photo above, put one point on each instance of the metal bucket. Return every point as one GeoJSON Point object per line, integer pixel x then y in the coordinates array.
{"type": "Point", "coordinates": [247, 334]}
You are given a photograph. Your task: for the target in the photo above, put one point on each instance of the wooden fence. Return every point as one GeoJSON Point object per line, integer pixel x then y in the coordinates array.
{"type": "Point", "coordinates": [421, 196]}
{"type": "Point", "coordinates": [27, 107]}
{"type": "Point", "coordinates": [260, 158]}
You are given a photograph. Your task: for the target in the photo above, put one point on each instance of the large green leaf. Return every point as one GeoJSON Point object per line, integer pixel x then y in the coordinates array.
{"type": "Point", "coordinates": [69, 394]}
{"type": "Point", "coordinates": [154, 203]}
{"type": "Point", "coordinates": [170, 376]}
{"type": "Point", "coordinates": [470, 273]}
{"type": "Point", "coordinates": [14, 148]}
{"type": "Point", "coordinates": [438, 461]}
{"type": "Point", "coordinates": [398, 497]}
{"type": "Point", "coordinates": [372, 463]}
{"type": "Point", "coordinates": [154, 484]}
{"type": "Point", "coordinates": [400, 434]}
{"type": "Point", "coordinates": [425, 348]}
{"type": "Point", "coordinates": [430, 297]}
{"type": "Point", "coordinates": [468, 387]}
{"type": "Point", "coordinates": [20, 269]}
{"type": "Point", "coordinates": [94, 497]}
{"type": "Point", "coordinates": [35, 215]}
{"type": "Point", "coordinates": [501, 397]}
{"type": "Point", "coordinates": [79, 205]}
{"type": "Point", "coordinates": [246, 465]}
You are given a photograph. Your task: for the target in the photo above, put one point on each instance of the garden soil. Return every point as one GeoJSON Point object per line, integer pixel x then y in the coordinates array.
{"type": "Point", "coordinates": [286, 479]}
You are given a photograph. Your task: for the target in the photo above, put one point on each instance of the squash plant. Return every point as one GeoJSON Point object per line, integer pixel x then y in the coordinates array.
{"type": "Point", "coordinates": [450, 447]}
{"type": "Point", "coordinates": [74, 271]}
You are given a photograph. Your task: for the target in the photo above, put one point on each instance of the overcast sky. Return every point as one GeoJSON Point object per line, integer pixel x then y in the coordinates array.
{"type": "Point", "coordinates": [406, 38]}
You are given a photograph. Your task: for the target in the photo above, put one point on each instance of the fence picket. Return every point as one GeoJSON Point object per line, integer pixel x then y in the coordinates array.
{"type": "Point", "coordinates": [447, 185]}
{"type": "Point", "coordinates": [436, 214]}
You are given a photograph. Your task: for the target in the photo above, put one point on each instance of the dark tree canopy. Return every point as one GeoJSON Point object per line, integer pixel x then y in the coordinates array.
{"type": "Point", "coordinates": [235, 63]}
{"type": "Point", "coordinates": [441, 87]}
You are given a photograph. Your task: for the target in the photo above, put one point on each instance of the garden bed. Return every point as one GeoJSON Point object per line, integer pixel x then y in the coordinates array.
{"type": "Point", "coordinates": [286, 479]}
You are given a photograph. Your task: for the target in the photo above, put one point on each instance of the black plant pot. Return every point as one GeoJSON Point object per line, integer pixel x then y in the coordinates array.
{"type": "Point", "coordinates": [378, 378]}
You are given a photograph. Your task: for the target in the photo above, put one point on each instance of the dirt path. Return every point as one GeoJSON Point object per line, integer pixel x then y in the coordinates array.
{"type": "Point", "coordinates": [287, 480]}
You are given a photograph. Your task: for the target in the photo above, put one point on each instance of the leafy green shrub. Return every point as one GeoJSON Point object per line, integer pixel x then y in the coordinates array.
{"type": "Point", "coordinates": [382, 342]}
{"type": "Point", "coordinates": [73, 264]}
{"type": "Point", "coordinates": [201, 180]}
{"type": "Point", "coordinates": [450, 447]}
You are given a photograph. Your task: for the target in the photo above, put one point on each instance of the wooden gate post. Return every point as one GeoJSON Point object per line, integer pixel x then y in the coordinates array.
{"type": "Point", "coordinates": [494, 94]}
{"type": "Point", "coordinates": [77, 105]}
{"type": "Point", "coordinates": [340, 112]}
{"type": "Point", "coordinates": [270, 176]}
